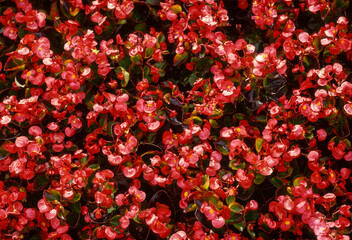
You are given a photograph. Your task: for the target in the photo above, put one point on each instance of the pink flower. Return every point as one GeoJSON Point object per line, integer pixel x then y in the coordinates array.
{"type": "Point", "coordinates": [321, 134]}
{"type": "Point", "coordinates": [303, 37]}
{"type": "Point", "coordinates": [10, 32]}
{"type": "Point", "coordinates": [179, 235]}
{"type": "Point", "coordinates": [218, 222]}
{"type": "Point", "coordinates": [348, 108]}
{"type": "Point", "coordinates": [209, 212]}
{"type": "Point", "coordinates": [115, 159]}
{"type": "Point", "coordinates": [35, 131]}
{"type": "Point", "coordinates": [21, 141]}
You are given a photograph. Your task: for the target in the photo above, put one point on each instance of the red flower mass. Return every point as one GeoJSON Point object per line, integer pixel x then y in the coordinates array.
{"type": "Point", "coordinates": [175, 119]}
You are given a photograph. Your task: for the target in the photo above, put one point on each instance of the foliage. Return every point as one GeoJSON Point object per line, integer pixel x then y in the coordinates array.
{"type": "Point", "coordinates": [175, 119]}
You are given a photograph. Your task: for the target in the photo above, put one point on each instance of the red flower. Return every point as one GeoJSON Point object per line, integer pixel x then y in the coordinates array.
{"type": "Point", "coordinates": [286, 224]}
{"type": "Point", "coordinates": [10, 32]}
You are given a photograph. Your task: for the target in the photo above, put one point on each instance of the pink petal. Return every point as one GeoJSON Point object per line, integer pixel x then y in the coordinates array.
{"type": "Point", "coordinates": [218, 222]}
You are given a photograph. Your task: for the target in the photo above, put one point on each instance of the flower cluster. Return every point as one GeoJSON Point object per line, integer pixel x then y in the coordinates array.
{"type": "Point", "coordinates": [175, 119]}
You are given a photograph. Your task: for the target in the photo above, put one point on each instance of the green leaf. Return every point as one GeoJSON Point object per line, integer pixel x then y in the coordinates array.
{"type": "Point", "coordinates": [310, 62]}
{"type": "Point", "coordinates": [115, 220]}
{"type": "Point", "coordinates": [76, 197]}
{"type": "Point", "coordinates": [286, 173]}
{"type": "Point", "coordinates": [148, 52]}
{"type": "Point", "coordinates": [244, 194]}
{"type": "Point", "coordinates": [141, 27]}
{"type": "Point", "coordinates": [73, 216]}
{"type": "Point", "coordinates": [277, 182]}
{"type": "Point", "coordinates": [325, 12]}
{"type": "Point", "coordinates": [95, 166]}
{"type": "Point", "coordinates": [40, 182]}
{"type": "Point", "coordinates": [235, 165]}
{"type": "Point", "coordinates": [136, 59]}
{"type": "Point", "coordinates": [230, 199]}
{"type": "Point", "coordinates": [260, 118]}
{"type": "Point", "coordinates": [103, 120]}
{"type": "Point", "coordinates": [161, 37]}
{"type": "Point", "coordinates": [205, 182]}
{"type": "Point", "coordinates": [176, 8]}
{"type": "Point", "coordinates": [180, 59]}
{"type": "Point", "coordinates": [317, 44]}
{"type": "Point", "coordinates": [52, 195]}
{"type": "Point", "coordinates": [340, 5]}
{"type": "Point", "coordinates": [140, 12]}
{"type": "Point", "coordinates": [252, 215]}
{"type": "Point", "coordinates": [236, 207]}
{"type": "Point", "coordinates": [240, 226]}
{"type": "Point", "coordinates": [65, 9]}
{"type": "Point", "coordinates": [126, 76]}
{"type": "Point", "coordinates": [153, 2]}
{"type": "Point", "coordinates": [14, 64]}
{"type": "Point", "coordinates": [342, 130]}
{"type": "Point", "coordinates": [214, 123]}
{"type": "Point", "coordinates": [35, 237]}
{"type": "Point", "coordinates": [196, 120]}
{"type": "Point", "coordinates": [250, 231]}
{"type": "Point", "coordinates": [299, 179]}
{"type": "Point", "coordinates": [192, 79]}
{"type": "Point", "coordinates": [222, 145]}
{"type": "Point", "coordinates": [259, 179]}
{"type": "Point", "coordinates": [125, 62]}
{"type": "Point", "coordinates": [259, 144]}
{"type": "Point", "coordinates": [217, 113]}
{"type": "Point", "coordinates": [239, 116]}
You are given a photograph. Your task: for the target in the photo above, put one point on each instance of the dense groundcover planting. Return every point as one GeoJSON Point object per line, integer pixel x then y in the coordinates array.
{"type": "Point", "coordinates": [127, 119]}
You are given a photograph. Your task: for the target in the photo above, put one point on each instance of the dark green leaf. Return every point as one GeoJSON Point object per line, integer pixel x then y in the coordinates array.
{"type": "Point", "coordinates": [310, 62]}
{"type": "Point", "coordinates": [153, 2]}
{"type": "Point", "coordinates": [74, 215]}
{"type": "Point", "coordinates": [259, 179]}
{"type": "Point", "coordinates": [40, 182]}
{"type": "Point", "coordinates": [286, 173]}
{"type": "Point", "coordinates": [140, 12]}
{"type": "Point", "coordinates": [240, 226]}
{"type": "Point", "coordinates": [245, 194]}
{"type": "Point", "coordinates": [115, 220]}
{"type": "Point", "coordinates": [230, 199]}
{"type": "Point", "coordinates": [340, 5]}
{"type": "Point", "coordinates": [222, 145]}
{"type": "Point", "coordinates": [180, 59]}
{"type": "Point", "coordinates": [252, 215]}
{"type": "Point", "coordinates": [236, 207]}
{"type": "Point", "coordinates": [52, 195]}
{"type": "Point", "coordinates": [277, 182]}
{"type": "Point", "coordinates": [250, 231]}
{"type": "Point", "coordinates": [148, 52]}
{"type": "Point", "coordinates": [136, 59]}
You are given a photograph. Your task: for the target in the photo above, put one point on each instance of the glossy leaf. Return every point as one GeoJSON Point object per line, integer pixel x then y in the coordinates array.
{"type": "Point", "coordinates": [259, 144]}
{"type": "Point", "coordinates": [252, 215]}
{"type": "Point", "coordinates": [340, 5]}
{"type": "Point", "coordinates": [52, 195]}
{"type": "Point", "coordinates": [236, 207]}
{"type": "Point", "coordinates": [180, 59]}
{"type": "Point", "coordinates": [222, 145]}
{"type": "Point", "coordinates": [277, 182]}
{"type": "Point", "coordinates": [259, 179]}
{"type": "Point", "coordinates": [240, 226]}
{"type": "Point", "coordinates": [73, 217]}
